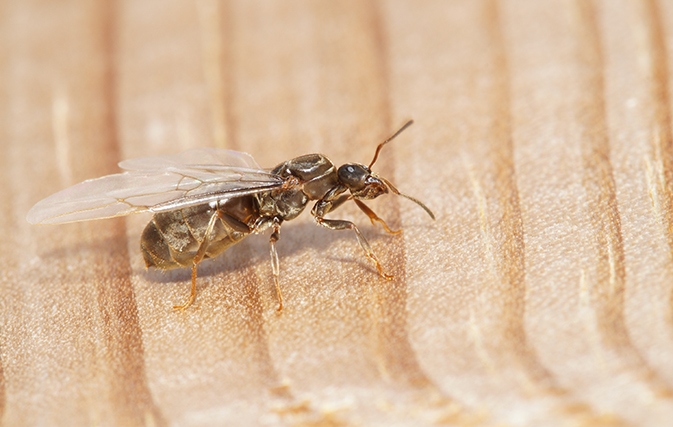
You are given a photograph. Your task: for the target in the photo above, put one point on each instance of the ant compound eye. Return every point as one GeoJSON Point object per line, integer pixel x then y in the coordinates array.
{"type": "Point", "coordinates": [353, 176]}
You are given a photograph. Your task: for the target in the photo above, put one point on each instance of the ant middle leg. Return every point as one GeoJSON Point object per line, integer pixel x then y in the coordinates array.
{"type": "Point", "coordinates": [275, 264]}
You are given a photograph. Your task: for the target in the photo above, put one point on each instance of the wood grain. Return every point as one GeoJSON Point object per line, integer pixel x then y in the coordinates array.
{"type": "Point", "coordinates": [541, 295]}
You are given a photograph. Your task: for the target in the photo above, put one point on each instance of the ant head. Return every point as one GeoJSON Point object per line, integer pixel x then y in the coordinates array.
{"type": "Point", "coordinates": [364, 185]}
{"type": "Point", "coordinates": [359, 178]}
{"type": "Point", "coordinates": [361, 182]}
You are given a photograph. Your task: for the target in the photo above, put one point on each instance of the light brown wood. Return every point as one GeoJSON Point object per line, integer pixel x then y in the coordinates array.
{"type": "Point", "coordinates": [542, 295]}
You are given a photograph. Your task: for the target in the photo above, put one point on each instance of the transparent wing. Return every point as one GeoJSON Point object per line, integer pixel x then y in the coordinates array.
{"type": "Point", "coordinates": [196, 157]}
{"type": "Point", "coordinates": [157, 184]}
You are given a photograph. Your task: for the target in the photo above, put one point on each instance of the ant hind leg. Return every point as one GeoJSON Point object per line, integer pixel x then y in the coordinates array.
{"type": "Point", "coordinates": [200, 254]}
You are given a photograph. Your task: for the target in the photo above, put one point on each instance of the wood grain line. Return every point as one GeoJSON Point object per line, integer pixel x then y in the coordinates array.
{"type": "Point", "coordinates": [216, 23]}
{"type": "Point", "coordinates": [130, 391]}
{"type": "Point", "coordinates": [510, 259]}
{"type": "Point", "coordinates": [397, 354]}
{"type": "Point", "coordinates": [599, 182]}
{"type": "Point", "coordinates": [7, 242]}
{"type": "Point", "coordinates": [245, 273]}
{"type": "Point", "coordinates": [3, 391]}
{"type": "Point", "coordinates": [662, 142]}
{"type": "Point", "coordinates": [662, 125]}
{"type": "Point", "coordinates": [211, 48]}
{"type": "Point", "coordinates": [5, 249]}
{"type": "Point", "coordinates": [227, 32]}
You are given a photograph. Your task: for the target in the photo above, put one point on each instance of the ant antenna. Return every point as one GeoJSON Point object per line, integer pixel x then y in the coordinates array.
{"type": "Point", "coordinates": [406, 196]}
{"type": "Point", "coordinates": [376, 155]}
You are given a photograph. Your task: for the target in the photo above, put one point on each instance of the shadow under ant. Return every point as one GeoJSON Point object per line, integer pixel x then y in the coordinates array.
{"type": "Point", "coordinates": [295, 238]}
{"type": "Point", "coordinates": [256, 247]}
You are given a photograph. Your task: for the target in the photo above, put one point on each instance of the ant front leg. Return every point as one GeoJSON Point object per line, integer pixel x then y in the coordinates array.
{"type": "Point", "coordinates": [322, 207]}
{"type": "Point", "coordinates": [374, 218]}
{"type": "Point", "coordinates": [275, 264]}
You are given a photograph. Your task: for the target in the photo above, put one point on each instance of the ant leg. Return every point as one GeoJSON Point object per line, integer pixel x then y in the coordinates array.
{"type": "Point", "coordinates": [337, 224]}
{"type": "Point", "coordinates": [275, 264]}
{"type": "Point", "coordinates": [373, 217]}
{"type": "Point", "coordinates": [200, 253]}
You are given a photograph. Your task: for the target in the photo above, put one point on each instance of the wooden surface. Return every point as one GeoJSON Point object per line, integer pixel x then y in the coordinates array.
{"type": "Point", "coordinates": [541, 296]}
